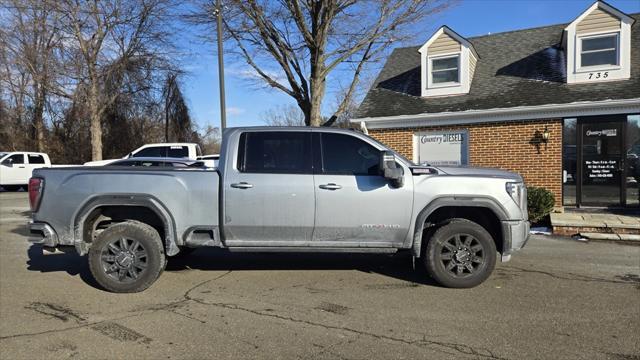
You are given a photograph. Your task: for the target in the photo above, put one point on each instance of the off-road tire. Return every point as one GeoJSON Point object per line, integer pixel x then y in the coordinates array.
{"type": "Point", "coordinates": [439, 248]}
{"type": "Point", "coordinates": [134, 231]}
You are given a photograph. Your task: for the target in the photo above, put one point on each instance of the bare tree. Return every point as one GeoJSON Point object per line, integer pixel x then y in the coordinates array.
{"type": "Point", "coordinates": [210, 140]}
{"type": "Point", "coordinates": [86, 78]}
{"type": "Point", "coordinates": [296, 45]}
{"type": "Point", "coordinates": [176, 112]}
{"type": "Point", "coordinates": [283, 115]}
{"type": "Point", "coordinates": [30, 42]}
{"type": "Point", "coordinates": [291, 115]}
{"type": "Point", "coordinates": [110, 36]}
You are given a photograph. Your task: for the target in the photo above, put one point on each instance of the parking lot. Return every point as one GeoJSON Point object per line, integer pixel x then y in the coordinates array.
{"type": "Point", "coordinates": [556, 299]}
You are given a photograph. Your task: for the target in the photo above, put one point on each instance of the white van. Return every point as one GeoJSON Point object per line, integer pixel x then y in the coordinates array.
{"type": "Point", "coordinates": [16, 167]}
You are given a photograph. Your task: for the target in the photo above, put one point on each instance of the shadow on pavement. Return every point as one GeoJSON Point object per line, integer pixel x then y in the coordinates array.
{"type": "Point", "coordinates": [397, 266]}
{"type": "Point", "coordinates": [70, 263]}
{"type": "Point", "coordinates": [20, 230]}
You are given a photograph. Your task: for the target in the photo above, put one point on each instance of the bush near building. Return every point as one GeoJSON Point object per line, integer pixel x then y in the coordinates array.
{"type": "Point", "coordinates": [540, 203]}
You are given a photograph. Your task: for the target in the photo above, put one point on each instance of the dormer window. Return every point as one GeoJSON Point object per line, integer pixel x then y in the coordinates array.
{"type": "Point", "coordinates": [597, 45]}
{"type": "Point", "coordinates": [448, 62]}
{"type": "Point", "coordinates": [599, 51]}
{"type": "Point", "coordinates": [445, 71]}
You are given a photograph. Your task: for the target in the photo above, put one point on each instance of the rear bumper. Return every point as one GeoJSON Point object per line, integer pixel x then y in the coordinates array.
{"type": "Point", "coordinates": [42, 233]}
{"type": "Point", "coordinates": [516, 235]}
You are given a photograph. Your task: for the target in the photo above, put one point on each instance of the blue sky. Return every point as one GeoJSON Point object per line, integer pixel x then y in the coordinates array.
{"type": "Point", "coordinates": [246, 102]}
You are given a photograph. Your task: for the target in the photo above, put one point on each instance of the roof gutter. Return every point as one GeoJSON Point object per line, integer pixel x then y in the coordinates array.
{"type": "Point", "coordinates": [519, 113]}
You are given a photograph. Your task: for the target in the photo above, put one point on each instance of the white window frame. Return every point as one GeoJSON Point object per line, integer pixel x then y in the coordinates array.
{"type": "Point", "coordinates": [581, 68]}
{"type": "Point", "coordinates": [430, 83]}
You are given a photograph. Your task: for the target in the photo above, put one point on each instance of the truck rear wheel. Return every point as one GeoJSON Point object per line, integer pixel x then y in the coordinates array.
{"type": "Point", "coordinates": [127, 257]}
{"type": "Point", "coordinates": [460, 254]}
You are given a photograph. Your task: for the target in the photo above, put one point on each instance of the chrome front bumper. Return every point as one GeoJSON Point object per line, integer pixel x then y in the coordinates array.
{"type": "Point", "coordinates": [42, 233]}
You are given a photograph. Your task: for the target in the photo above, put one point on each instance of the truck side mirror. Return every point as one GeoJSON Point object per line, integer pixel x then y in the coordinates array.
{"type": "Point", "coordinates": [390, 170]}
{"type": "Point", "coordinates": [8, 162]}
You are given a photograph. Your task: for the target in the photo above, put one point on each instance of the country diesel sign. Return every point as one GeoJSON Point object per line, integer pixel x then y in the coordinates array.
{"type": "Point", "coordinates": [442, 147]}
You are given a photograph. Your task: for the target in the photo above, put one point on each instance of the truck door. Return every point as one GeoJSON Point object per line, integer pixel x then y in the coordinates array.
{"type": "Point", "coordinates": [355, 205]}
{"type": "Point", "coordinates": [14, 170]}
{"type": "Point", "coordinates": [268, 191]}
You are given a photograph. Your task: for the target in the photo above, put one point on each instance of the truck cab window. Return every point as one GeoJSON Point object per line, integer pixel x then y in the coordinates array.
{"type": "Point", "coordinates": [178, 152]}
{"type": "Point", "coordinates": [275, 152]}
{"type": "Point", "coordinates": [36, 159]}
{"type": "Point", "coordinates": [348, 155]}
{"type": "Point", "coordinates": [16, 159]}
{"type": "Point", "coordinates": [157, 151]}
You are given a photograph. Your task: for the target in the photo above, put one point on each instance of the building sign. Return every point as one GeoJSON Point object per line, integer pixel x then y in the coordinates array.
{"type": "Point", "coordinates": [603, 132]}
{"type": "Point", "coordinates": [600, 169]}
{"type": "Point", "coordinates": [443, 147]}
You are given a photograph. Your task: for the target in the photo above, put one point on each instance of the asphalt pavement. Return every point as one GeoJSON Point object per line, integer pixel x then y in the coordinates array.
{"type": "Point", "coordinates": [556, 299]}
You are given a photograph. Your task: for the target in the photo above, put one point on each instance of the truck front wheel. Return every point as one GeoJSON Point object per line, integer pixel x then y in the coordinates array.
{"type": "Point", "coordinates": [127, 257]}
{"type": "Point", "coordinates": [460, 254]}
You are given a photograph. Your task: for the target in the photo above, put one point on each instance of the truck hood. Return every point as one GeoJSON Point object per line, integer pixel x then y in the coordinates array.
{"type": "Point", "coordinates": [479, 171]}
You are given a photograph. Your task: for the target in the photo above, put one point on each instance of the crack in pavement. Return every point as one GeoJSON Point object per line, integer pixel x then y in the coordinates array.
{"type": "Point", "coordinates": [55, 311]}
{"type": "Point", "coordinates": [90, 324]}
{"type": "Point", "coordinates": [153, 309]}
{"type": "Point", "coordinates": [444, 347]}
{"type": "Point", "coordinates": [569, 276]}
{"type": "Point", "coordinates": [458, 348]}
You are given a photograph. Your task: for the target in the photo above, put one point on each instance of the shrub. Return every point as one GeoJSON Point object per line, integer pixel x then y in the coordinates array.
{"type": "Point", "coordinates": [540, 203]}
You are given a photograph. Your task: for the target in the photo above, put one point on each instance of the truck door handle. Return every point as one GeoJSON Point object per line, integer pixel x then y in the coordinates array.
{"type": "Point", "coordinates": [330, 186]}
{"type": "Point", "coordinates": [20, 167]}
{"type": "Point", "coordinates": [242, 185]}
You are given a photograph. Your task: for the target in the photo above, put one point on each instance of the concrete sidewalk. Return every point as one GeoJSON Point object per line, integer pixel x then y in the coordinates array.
{"type": "Point", "coordinates": [601, 226]}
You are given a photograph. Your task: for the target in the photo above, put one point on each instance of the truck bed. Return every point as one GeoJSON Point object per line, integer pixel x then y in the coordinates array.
{"type": "Point", "coordinates": [188, 195]}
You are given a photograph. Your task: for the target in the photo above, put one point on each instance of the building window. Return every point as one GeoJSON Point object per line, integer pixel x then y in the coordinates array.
{"type": "Point", "coordinates": [445, 70]}
{"type": "Point", "coordinates": [599, 50]}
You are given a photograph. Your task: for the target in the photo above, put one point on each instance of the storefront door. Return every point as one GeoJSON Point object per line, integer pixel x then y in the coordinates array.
{"type": "Point", "coordinates": [602, 161]}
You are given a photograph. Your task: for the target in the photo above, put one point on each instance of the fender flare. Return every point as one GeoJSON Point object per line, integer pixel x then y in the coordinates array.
{"type": "Point", "coordinates": [142, 200]}
{"type": "Point", "coordinates": [453, 200]}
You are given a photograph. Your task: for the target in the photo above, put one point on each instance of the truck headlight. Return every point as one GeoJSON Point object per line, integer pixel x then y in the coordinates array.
{"type": "Point", "coordinates": [517, 192]}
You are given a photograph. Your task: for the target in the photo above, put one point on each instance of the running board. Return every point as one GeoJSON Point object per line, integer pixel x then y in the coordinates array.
{"type": "Point", "coordinates": [315, 249]}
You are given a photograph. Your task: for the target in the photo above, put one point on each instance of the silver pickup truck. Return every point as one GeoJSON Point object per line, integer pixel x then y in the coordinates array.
{"type": "Point", "coordinates": [282, 189]}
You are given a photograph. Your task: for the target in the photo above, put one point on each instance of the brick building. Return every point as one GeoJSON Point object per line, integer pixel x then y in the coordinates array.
{"type": "Point", "coordinates": [558, 104]}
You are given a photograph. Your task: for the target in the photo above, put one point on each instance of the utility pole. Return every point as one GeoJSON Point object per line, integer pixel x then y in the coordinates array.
{"type": "Point", "coordinates": [223, 110]}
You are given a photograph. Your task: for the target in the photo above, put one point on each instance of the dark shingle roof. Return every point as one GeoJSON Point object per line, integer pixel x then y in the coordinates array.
{"type": "Point", "coordinates": [517, 68]}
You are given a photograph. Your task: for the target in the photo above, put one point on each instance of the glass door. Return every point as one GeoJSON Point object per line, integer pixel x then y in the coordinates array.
{"type": "Point", "coordinates": [633, 161]}
{"type": "Point", "coordinates": [602, 161]}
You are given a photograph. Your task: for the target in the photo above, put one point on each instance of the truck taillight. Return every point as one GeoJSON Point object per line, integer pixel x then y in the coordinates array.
{"type": "Point", "coordinates": [36, 187]}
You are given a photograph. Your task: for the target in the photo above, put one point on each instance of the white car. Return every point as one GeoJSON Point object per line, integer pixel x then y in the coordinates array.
{"type": "Point", "coordinates": [171, 150]}
{"type": "Point", "coordinates": [16, 167]}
